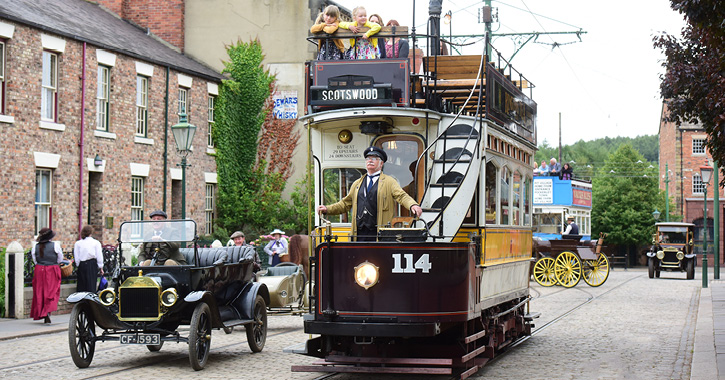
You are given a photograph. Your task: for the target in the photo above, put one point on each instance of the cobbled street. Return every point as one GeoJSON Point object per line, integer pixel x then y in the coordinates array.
{"type": "Point", "coordinates": [631, 327]}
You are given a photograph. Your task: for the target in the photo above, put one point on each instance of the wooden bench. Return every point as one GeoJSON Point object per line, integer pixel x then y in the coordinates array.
{"type": "Point", "coordinates": [455, 77]}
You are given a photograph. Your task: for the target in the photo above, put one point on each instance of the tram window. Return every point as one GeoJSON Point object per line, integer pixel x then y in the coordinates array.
{"type": "Point", "coordinates": [516, 204]}
{"type": "Point", "coordinates": [491, 175]}
{"type": "Point", "coordinates": [336, 184]}
{"type": "Point", "coordinates": [403, 152]}
{"type": "Point", "coordinates": [470, 217]}
{"type": "Point", "coordinates": [505, 195]}
{"type": "Point", "coordinates": [547, 223]}
{"type": "Point", "coordinates": [527, 201]}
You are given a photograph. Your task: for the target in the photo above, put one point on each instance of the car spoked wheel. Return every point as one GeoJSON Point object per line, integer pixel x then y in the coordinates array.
{"type": "Point", "coordinates": [691, 269]}
{"type": "Point", "coordinates": [199, 336]}
{"type": "Point", "coordinates": [257, 330]}
{"type": "Point", "coordinates": [81, 336]}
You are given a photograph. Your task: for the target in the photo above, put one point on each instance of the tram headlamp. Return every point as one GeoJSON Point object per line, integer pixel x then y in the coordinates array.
{"type": "Point", "coordinates": [680, 255]}
{"type": "Point", "coordinates": [660, 255]}
{"type": "Point", "coordinates": [366, 274]}
{"type": "Point", "coordinates": [169, 297]}
{"type": "Point", "coordinates": [107, 297]}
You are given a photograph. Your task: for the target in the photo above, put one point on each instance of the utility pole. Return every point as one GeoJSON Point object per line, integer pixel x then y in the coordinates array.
{"type": "Point", "coordinates": [559, 137]}
{"type": "Point", "coordinates": [716, 217]}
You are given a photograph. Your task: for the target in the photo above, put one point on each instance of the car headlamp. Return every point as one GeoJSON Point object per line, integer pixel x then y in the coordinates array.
{"type": "Point", "coordinates": [169, 297]}
{"type": "Point", "coordinates": [680, 255]}
{"type": "Point", "coordinates": [366, 274]}
{"type": "Point", "coordinates": [660, 255]}
{"type": "Point", "coordinates": [107, 297]}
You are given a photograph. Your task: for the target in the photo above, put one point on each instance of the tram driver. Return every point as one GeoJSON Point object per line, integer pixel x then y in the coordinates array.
{"type": "Point", "coordinates": [370, 198]}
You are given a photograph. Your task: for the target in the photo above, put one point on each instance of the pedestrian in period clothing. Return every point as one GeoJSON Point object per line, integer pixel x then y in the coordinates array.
{"type": "Point", "coordinates": [239, 241]}
{"type": "Point", "coordinates": [277, 247]}
{"type": "Point", "coordinates": [46, 276]}
{"type": "Point", "coordinates": [571, 227]}
{"type": "Point", "coordinates": [89, 256]}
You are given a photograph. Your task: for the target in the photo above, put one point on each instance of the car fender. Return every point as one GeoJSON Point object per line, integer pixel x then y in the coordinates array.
{"type": "Point", "coordinates": [651, 254]}
{"type": "Point", "coordinates": [689, 255]}
{"type": "Point", "coordinates": [245, 302]}
{"type": "Point", "coordinates": [80, 296]}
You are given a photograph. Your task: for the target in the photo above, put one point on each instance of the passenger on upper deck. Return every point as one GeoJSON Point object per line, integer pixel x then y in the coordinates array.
{"type": "Point", "coordinates": [395, 47]}
{"type": "Point", "coordinates": [328, 49]}
{"type": "Point", "coordinates": [371, 204]}
{"type": "Point", "coordinates": [566, 172]}
{"type": "Point", "coordinates": [543, 169]}
{"type": "Point", "coordinates": [362, 47]}
{"type": "Point", "coordinates": [554, 167]}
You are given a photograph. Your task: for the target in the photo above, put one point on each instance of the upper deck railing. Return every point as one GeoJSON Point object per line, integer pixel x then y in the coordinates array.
{"type": "Point", "coordinates": [475, 85]}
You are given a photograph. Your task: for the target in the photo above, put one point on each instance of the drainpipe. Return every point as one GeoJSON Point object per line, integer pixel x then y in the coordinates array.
{"type": "Point", "coordinates": [166, 136]}
{"type": "Point", "coordinates": [82, 142]}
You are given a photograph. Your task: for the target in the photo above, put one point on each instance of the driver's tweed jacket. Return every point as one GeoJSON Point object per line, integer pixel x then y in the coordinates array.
{"type": "Point", "coordinates": [388, 190]}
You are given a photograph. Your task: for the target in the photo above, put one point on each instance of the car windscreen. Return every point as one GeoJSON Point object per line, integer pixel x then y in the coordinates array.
{"type": "Point", "coordinates": [158, 230]}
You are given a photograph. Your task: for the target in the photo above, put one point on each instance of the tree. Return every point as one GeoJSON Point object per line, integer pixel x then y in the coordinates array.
{"type": "Point", "coordinates": [625, 192]}
{"type": "Point", "coordinates": [693, 85]}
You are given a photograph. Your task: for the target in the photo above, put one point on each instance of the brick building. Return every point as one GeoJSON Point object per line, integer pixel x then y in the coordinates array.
{"type": "Point", "coordinates": [682, 152]}
{"type": "Point", "coordinates": [87, 100]}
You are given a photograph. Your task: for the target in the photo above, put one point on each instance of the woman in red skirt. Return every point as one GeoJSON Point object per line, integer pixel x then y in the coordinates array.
{"type": "Point", "coordinates": [46, 276]}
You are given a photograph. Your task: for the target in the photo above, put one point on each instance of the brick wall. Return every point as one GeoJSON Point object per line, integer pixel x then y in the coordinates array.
{"type": "Point", "coordinates": [165, 18]}
{"type": "Point", "coordinates": [110, 195]}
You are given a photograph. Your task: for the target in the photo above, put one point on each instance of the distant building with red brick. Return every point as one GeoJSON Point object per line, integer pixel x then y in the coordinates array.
{"type": "Point", "coordinates": [682, 153]}
{"type": "Point", "coordinates": [87, 100]}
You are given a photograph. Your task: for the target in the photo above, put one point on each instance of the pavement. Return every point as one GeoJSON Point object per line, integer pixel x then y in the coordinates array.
{"type": "Point", "coordinates": [708, 359]}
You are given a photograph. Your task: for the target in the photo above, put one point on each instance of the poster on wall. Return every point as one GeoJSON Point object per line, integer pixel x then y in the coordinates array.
{"type": "Point", "coordinates": [285, 104]}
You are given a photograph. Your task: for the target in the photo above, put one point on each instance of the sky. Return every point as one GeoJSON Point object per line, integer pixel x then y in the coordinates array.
{"type": "Point", "coordinates": [607, 85]}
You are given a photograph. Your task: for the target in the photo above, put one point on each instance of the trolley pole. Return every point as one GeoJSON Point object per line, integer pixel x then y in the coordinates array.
{"type": "Point", "coordinates": [704, 241]}
{"type": "Point", "coordinates": [667, 192]}
{"type": "Point", "coordinates": [716, 219]}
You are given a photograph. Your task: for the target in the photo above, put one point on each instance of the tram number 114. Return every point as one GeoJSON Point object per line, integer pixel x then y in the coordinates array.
{"type": "Point", "coordinates": [423, 264]}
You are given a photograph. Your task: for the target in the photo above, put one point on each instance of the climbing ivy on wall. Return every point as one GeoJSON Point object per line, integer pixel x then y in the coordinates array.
{"type": "Point", "coordinates": [254, 151]}
{"type": "Point", "coordinates": [240, 113]}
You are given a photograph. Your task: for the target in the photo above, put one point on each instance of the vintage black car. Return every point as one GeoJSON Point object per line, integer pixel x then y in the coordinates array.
{"type": "Point", "coordinates": [672, 249]}
{"type": "Point", "coordinates": [146, 304]}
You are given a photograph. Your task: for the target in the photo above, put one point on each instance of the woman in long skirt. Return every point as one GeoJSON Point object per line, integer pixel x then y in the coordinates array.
{"type": "Point", "coordinates": [46, 276]}
{"type": "Point", "coordinates": [88, 254]}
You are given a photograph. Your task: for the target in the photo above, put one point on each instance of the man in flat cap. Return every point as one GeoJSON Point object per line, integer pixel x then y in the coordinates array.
{"type": "Point", "coordinates": [157, 244]}
{"type": "Point", "coordinates": [370, 198]}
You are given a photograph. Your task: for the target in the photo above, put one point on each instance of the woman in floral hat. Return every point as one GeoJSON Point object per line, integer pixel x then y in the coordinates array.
{"type": "Point", "coordinates": [277, 247]}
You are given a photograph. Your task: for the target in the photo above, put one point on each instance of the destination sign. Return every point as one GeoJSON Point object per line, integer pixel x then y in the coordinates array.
{"type": "Point", "coordinates": [326, 96]}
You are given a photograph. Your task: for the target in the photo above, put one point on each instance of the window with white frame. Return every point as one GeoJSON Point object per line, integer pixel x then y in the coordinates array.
{"type": "Point", "coordinates": [184, 103]}
{"type": "Point", "coordinates": [698, 146]}
{"type": "Point", "coordinates": [142, 101]}
{"type": "Point", "coordinates": [137, 195]}
{"type": "Point", "coordinates": [49, 95]}
{"type": "Point", "coordinates": [2, 77]}
{"type": "Point", "coordinates": [43, 205]}
{"type": "Point", "coordinates": [698, 187]}
{"type": "Point", "coordinates": [209, 208]}
{"type": "Point", "coordinates": [103, 96]}
{"type": "Point", "coordinates": [210, 140]}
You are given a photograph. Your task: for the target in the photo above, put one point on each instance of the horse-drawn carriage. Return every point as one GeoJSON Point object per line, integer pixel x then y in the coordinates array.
{"type": "Point", "coordinates": [566, 261]}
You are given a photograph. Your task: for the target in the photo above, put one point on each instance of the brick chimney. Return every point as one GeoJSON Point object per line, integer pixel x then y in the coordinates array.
{"type": "Point", "coordinates": [164, 18]}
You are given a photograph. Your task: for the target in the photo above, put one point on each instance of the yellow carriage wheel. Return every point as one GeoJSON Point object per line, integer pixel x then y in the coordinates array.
{"type": "Point", "coordinates": [568, 269]}
{"type": "Point", "coordinates": [596, 271]}
{"type": "Point", "coordinates": [544, 271]}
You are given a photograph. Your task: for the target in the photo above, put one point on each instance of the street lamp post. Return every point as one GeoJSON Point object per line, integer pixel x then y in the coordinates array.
{"type": "Point", "coordinates": [183, 135]}
{"type": "Point", "coordinates": [656, 215]}
{"type": "Point", "coordinates": [705, 174]}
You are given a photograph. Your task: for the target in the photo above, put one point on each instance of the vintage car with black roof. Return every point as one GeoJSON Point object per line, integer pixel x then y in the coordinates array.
{"type": "Point", "coordinates": [145, 305]}
{"type": "Point", "coordinates": [672, 249]}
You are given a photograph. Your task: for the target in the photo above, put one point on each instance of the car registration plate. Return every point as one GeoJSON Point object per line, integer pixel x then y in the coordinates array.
{"type": "Point", "coordinates": [140, 339]}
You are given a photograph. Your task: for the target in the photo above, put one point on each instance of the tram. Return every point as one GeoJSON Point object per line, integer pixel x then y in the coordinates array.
{"type": "Point", "coordinates": [554, 200]}
{"type": "Point", "coordinates": [448, 292]}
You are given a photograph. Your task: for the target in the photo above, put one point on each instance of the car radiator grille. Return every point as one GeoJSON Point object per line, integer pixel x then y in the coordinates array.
{"type": "Point", "coordinates": [139, 302]}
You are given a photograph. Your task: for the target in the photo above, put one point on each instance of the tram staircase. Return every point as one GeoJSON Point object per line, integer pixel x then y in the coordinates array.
{"type": "Point", "coordinates": [453, 178]}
